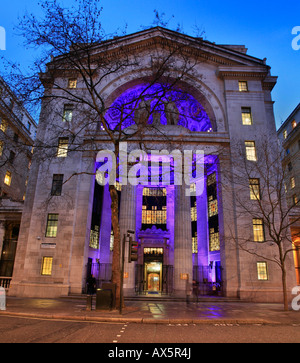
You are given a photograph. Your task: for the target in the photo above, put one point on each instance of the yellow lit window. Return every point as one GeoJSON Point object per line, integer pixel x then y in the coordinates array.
{"type": "Point", "coordinates": [7, 178]}
{"type": "Point", "coordinates": [62, 151]}
{"type": "Point", "coordinates": [293, 184]}
{"type": "Point", "coordinates": [47, 266]}
{"type": "Point", "coordinates": [72, 83]}
{"type": "Point", "coordinates": [243, 86]}
{"type": "Point", "coordinates": [3, 125]}
{"type": "Point", "coordinates": [262, 272]}
{"type": "Point", "coordinates": [1, 148]}
{"type": "Point", "coordinates": [250, 150]}
{"type": "Point", "coordinates": [284, 134]}
{"type": "Point", "coordinates": [258, 230]}
{"type": "Point", "coordinates": [246, 116]}
{"type": "Point", "coordinates": [254, 189]}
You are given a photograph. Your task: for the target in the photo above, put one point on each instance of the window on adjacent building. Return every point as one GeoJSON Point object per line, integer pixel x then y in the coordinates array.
{"type": "Point", "coordinates": [3, 125]}
{"type": "Point", "coordinates": [284, 134]}
{"type": "Point", "coordinates": [250, 150]}
{"type": "Point", "coordinates": [262, 271]}
{"type": "Point", "coordinates": [258, 230]}
{"type": "Point", "coordinates": [57, 183]}
{"type": "Point", "coordinates": [290, 166]}
{"type": "Point", "coordinates": [72, 83]}
{"type": "Point", "coordinates": [46, 269]}
{"type": "Point", "coordinates": [246, 116]}
{"type": "Point", "coordinates": [51, 229]}
{"type": "Point", "coordinates": [295, 199]}
{"type": "Point", "coordinates": [243, 86]}
{"type": "Point", "coordinates": [68, 113]}
{"type": "Point", "coordinates": [254, 188]}
{"type": "Point", "coordinates": [12, 156]}
{"type": "Point", "coordinates": [7, 178]}
{"type": "Point", "coordinates": [1, 147]}
{"type": "Point", "coordinates": [63, 144]}
{"type": "Point", "coordinates": [294, 124]}
{"type": "Point", "coordinates": [293, 184]}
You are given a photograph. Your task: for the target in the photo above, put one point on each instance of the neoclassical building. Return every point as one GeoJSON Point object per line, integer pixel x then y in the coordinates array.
{"type": "Point", "coordinates": [222, 101]}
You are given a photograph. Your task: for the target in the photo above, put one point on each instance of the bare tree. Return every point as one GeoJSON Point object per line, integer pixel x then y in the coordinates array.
{"type": "Point", "coordinates": [259, 183]}
{"type": "Point", "coordinates": [73, 46]}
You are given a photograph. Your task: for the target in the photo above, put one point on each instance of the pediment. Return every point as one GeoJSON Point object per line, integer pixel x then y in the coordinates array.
{"type": "Point", "coordinates": [220, 54]}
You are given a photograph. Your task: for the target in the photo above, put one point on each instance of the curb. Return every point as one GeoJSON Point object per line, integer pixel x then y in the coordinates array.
{"type": "Point", "coordinates": [98, 319]}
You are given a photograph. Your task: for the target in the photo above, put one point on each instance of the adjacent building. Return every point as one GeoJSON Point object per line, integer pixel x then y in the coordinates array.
{"type": "Point", "coordinates": [17, 132]}
{"type": "Point", "coordinates": [66, 231]}
{"type": "Point", "coordinates": [289, 138]}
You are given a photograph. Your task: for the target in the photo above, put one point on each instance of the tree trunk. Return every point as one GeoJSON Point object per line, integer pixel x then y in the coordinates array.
{"type": "Point", "coordinates": [283, 277]}
{"type": "Point", "coordinates": [116, 268]}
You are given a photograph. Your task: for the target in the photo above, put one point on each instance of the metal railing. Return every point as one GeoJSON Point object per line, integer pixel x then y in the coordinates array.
{"type": "Point", "coordinates": [5, 282]}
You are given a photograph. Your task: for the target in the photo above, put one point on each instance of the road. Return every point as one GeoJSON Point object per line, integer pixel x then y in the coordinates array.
{"type": "Point", "coordinates": [30, 330]}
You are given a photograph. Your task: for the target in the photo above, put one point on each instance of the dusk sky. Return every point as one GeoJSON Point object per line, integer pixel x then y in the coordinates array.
{"type": "Point", "coordinates": [264, 27]}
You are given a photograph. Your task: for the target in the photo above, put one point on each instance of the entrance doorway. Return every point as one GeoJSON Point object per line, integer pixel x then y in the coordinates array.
{"type": "Point", "coordinates": [153, 273]}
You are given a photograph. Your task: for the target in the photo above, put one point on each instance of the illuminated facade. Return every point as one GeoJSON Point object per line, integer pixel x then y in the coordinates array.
{"type": "Point", "coordinates": [226, 98]}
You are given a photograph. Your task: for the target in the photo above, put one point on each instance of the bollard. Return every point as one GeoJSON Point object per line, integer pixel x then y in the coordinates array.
{"type": "Point", "coordinates": [89, 301]}
{"type": "Point", "coordinates": [2, 299]}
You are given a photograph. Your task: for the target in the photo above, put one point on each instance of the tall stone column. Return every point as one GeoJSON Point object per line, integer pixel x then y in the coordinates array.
{"type": "Point", "coordinates": [128, 222]}
{"type": "Point", "coordinates": [183, 258]}
{"type": "Point", "coordinates": [2, 233]}
{"type": "Point", "coordinates": [202, 227]}
{"type": "Point", "coordinates": [105, 229]}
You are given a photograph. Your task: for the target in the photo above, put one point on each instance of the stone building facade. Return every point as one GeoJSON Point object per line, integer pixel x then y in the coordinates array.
{"type": "Point", "coordinates": [66, 231]}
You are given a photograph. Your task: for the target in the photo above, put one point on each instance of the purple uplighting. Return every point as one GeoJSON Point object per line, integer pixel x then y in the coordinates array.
{"type": "Point", "coordinates": [161, 106]}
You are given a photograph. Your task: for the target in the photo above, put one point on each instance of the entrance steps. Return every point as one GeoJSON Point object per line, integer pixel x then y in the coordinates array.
{"type": "Point", "coordinates": [162, 298]}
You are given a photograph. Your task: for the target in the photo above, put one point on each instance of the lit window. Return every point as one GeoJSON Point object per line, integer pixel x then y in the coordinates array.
{"type": "Point", "coordinates": [284, 134]}
{"type": "Point", "coordinates": [7, 178]}
{"type": "Point", "coordinates": [243, 86]}
{"type": "Point", "coordinates": [62, 151]}
{"type": "Point", "coordinates": [258, 230]}
{"type": "Point", "coordinates": [295, 199]}
{"type": "Point", "coordinates": [3, 125]}
{"type": "Point", "coordinates": [72, 83]}
{"type": "Point", "coordinates": [195, 243]}
{"type": "Point", "coordinates": [293, 184]}
{"type": "Point", "coordinates": [194, 213]}
{"type": "Point", "coordinates": [246, 116]}
{"type": "Point", "coordinates": [57, 183]}
{"type": "Point", "coordinates": [68, 113]}
{"type": "Point", "coordinates": [254, 189]}
{"type": "Point", "coordinates": [46, 269]}
{"type": "Point", "coordinates": [262, 272]}
{"type": "Point", "coordinates": [1, 148]}
{"type": "Point", "coordinates": [294, 124]}
{"type": "Point", "coordinates": [250, 150]}
{"type": "Point", "coordinates": [154, 209]}
{"type": "Point", "coordinates": [51, 229]}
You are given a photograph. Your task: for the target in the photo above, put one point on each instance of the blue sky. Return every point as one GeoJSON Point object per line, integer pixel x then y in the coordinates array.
{"type": "Point", "coordinates": [265, 27]}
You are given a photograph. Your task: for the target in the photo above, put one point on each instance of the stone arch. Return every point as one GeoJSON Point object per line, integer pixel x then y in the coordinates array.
{"type": "Point", "coordinates": [198, 108]}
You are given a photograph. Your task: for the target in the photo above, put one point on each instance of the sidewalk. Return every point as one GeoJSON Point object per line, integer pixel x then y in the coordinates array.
{"type": "Point", "coordinates": [154, 311]}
